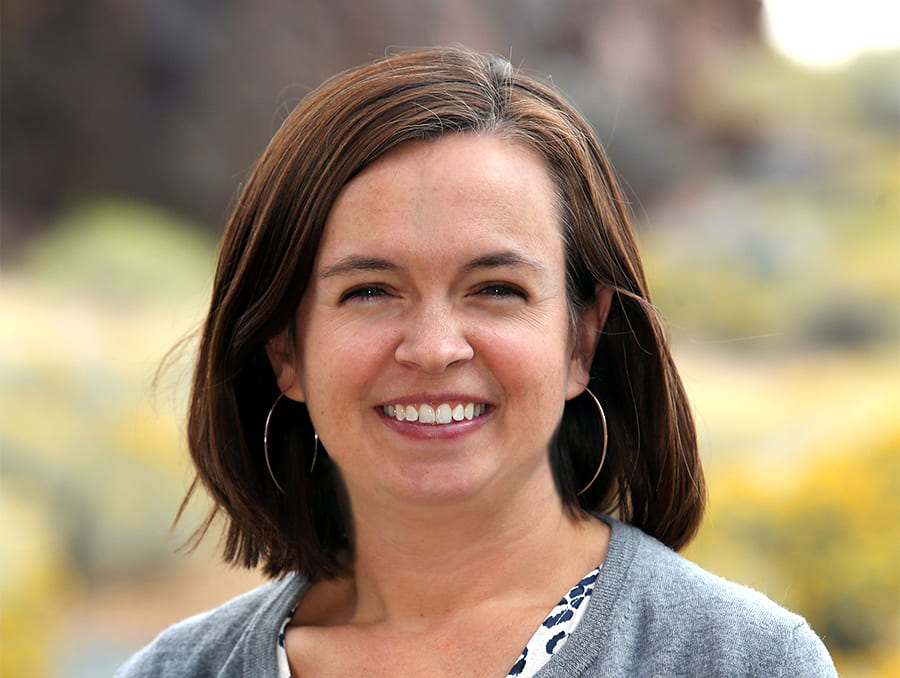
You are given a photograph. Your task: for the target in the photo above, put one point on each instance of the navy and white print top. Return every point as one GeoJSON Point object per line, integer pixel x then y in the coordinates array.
{"type": "Point", "coordinates": [559, 624]}
{"type": "Point", "coordinates": [549, 638]}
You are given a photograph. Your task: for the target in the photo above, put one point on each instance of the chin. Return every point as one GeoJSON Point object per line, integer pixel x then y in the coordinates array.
{"type": "Point", "coordinates": [448, 486]}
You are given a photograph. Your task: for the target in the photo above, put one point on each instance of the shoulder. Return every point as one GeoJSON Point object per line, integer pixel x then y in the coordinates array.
{"type": "Point", "coordinates": [671, 584]}
{"type": "Point", "coordinates": [677, 585]}
{"type": "Point", "coordinates": [220, 642]}
{"type": "Point", "coordinates": [665, 611]}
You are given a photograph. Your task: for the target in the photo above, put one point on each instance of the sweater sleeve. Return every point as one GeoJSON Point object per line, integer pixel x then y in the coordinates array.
{"type": "Point", "coordinates": [235, 640]}
{"type": "Point", "coordinates": [199, 647]}
{"type": "Point", "coordinates": [806, 655]}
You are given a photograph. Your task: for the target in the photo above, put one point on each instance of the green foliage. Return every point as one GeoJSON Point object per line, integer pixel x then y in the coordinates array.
{"type": "Point", "coordinates": [795, 243]}
{"type": "Point", "coordinates": [79, 428]}
{"type": "Point", "coordinates": [32, 574]}
{"type": "Point", "coordinates": [824, 542]}
{"type": "Point", "coordinates": [122, 250]}
{"type": "Point", "coordinates": [92, 468]}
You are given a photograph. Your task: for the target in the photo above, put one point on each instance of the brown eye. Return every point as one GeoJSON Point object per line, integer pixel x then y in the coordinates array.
{"type": "Point", "coordinates": [502, 290]}
{"type": "Point", "coordinates": [364, 293]}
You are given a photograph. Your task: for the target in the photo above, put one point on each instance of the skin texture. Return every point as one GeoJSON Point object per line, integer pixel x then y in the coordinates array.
{"type": "Point", "coordinates": [441, 278]}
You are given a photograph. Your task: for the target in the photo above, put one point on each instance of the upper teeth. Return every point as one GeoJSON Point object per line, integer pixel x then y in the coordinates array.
{"type": "Point", "coordinates": [442, 414]}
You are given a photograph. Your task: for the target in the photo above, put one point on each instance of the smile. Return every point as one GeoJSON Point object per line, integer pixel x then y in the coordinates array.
{"type": "Point", "coordinates": [445, 413]}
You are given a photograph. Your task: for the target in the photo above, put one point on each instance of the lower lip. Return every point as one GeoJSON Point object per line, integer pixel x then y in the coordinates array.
{"type": "Point", "coordinates": [454, 429]}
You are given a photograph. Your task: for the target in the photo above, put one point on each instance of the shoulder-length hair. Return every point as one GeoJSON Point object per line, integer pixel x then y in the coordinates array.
{"type": "Point", "coordinates": [652, 477]}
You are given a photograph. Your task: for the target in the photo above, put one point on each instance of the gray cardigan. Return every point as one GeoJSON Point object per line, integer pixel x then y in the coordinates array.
{"type": "Point", "coordinates": [652, 613]}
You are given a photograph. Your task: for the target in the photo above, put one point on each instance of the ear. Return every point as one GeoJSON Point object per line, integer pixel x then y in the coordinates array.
{"type": "Point", "coordinates": [591, 323]}
{"type": "Point", "coordinates": [281, 358]}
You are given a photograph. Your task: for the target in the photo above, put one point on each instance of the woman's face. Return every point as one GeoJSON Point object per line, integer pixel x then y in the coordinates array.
{"type": "Point", "coordinates": [433, 348]}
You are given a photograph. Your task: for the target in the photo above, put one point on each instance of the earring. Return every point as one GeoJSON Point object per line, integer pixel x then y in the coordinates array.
{"type": "Point", "coordinates": [605, 438]}
{"type": "Point", "coordinates": [266, 444]}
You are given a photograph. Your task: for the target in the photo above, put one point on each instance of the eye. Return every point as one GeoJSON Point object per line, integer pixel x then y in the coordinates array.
{"type": "Point", "coordinates": [364, 293]}
{"type": "Point", "coordinates": [502, 291]}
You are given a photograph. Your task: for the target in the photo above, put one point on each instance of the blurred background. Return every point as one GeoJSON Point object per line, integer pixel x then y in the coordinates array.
{"type": "Point", "coordinates": [759, 145]}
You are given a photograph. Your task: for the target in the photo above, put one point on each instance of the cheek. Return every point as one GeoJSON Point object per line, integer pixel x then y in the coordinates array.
{"type": "Point", "coordinates": [340, 359]}
{"type": "Point", "coordinates": [530, 364]}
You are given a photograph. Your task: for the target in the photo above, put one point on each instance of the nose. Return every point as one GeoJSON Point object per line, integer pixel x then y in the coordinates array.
{"type": "Point", "coordinates": [433, 340]}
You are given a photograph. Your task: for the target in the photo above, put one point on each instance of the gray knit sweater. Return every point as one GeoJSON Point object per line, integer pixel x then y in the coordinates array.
{"type": "Point", "coordinates": [652, 613]}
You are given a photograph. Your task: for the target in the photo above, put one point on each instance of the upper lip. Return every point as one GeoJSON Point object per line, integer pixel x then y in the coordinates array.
{"type": "Point", "coordinates": [434, 399]}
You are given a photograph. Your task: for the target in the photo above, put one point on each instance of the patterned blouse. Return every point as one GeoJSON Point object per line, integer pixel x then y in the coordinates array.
{"type": "Point", "coordinates": [550, 636]}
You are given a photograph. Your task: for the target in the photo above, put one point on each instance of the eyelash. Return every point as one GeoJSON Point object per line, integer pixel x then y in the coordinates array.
{"type": "Point", "coordinates": [502, 290]}
{"type": "Point", "coordinates": [364, 293]}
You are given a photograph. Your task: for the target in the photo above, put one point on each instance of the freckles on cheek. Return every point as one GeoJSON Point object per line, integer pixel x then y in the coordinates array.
{"type": "Point", "coordinates": [346, 353]}
{"type": "Point", "coordinates": [532, 373]}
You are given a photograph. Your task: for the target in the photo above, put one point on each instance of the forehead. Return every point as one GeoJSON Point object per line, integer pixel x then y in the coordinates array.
{"type": "Point", "coordinates": [460, 188]}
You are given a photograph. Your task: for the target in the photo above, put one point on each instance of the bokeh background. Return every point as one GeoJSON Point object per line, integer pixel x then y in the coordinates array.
{"type": "Point", "coordinates": [760, 149]}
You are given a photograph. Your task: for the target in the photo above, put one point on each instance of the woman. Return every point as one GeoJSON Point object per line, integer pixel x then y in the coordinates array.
{"type": "Point", "coordinates": [430, 375]}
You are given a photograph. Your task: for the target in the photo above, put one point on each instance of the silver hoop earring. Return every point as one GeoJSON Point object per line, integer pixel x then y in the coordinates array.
{"type": "Point", "coordinates": [605, 438]}
{"type": "Point", "coordinates": [266, 444]}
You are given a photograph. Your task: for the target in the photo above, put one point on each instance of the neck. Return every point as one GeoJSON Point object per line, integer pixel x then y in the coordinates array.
{"type": "Point", "coordinates": [416, 565]}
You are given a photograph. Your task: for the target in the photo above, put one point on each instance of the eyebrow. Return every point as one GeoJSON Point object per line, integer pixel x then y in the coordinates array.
{"type": "Point", "coordinates": [503, 258]}
{"type": "Point", "coordinates": [356, 263]}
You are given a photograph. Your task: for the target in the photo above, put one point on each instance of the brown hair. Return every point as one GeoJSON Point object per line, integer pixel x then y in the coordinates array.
{"type": "Point", "coordinates": [652, 477]}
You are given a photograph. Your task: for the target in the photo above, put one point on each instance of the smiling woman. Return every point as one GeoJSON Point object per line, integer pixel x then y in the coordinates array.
{"type": "Point", "coordinates": [472, 316]}
{"type": "Point", "coordinates": [433, 398]}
